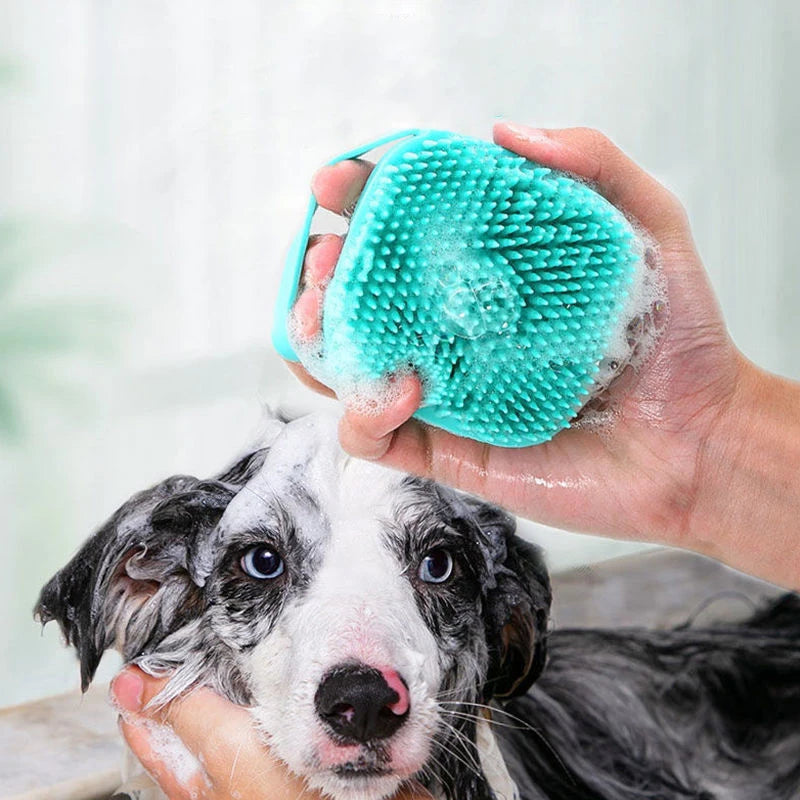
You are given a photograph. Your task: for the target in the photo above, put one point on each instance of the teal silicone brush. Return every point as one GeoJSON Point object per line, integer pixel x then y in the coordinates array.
{"type": "Point", "coordinates": [502, 283]}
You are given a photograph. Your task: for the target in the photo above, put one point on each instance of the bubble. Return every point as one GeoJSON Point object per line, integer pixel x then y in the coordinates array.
{"type": "Point", "coordinates": [169, 749]}
{"type": "Point", "coordinates": [364, 395]}
{"type": "Point", "coordinates": [474, 305]}
{"type": "Point", "coordinates": [372, 398]}
{"type": "Point", "coordinates": [642, 322]}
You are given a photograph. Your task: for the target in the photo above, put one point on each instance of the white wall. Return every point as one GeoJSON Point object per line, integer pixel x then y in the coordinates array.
{"type": "Point", "coordinates": [159, 153]}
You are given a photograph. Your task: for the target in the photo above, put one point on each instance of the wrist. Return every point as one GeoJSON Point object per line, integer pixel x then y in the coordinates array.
{"type": "Point", "coordinates": [747, 511]}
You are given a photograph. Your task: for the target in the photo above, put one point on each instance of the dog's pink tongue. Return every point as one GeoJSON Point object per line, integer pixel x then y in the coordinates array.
{"type": "Point", "coordinates": [395, 682]}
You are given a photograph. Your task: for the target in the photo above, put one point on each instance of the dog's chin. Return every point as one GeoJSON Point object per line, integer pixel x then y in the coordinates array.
{"type": "Point", "coordinates": [350, 782]}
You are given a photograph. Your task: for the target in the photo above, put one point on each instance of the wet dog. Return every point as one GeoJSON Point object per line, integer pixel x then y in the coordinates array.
{"type": "Point", "coordinates": [385, 629]}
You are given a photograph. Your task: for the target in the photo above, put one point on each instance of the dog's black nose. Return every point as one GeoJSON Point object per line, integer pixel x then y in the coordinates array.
{"type": "Point", "coordinates": [359, 704]}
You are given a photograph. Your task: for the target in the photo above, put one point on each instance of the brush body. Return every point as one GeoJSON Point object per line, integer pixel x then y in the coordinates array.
{"type": "Point", "coordinates": [502, 283]}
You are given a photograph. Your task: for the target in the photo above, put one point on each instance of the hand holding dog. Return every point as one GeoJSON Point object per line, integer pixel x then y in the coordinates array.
{"type": "Point", "coordinates": [232, 760]}
{"type": "Point", "coordinates": [704, 444]}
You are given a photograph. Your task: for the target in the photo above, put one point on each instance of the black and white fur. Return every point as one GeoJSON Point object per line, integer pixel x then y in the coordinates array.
{"type": "Point", "coordinates": [616, 715]}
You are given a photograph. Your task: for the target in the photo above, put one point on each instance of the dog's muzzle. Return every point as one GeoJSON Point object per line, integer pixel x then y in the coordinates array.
{"type": "Point", "coordinates": [362, 704]}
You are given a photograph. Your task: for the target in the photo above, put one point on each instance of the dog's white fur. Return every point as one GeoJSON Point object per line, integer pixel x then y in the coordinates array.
{"type": "Point", "coordinates": [359, 608]}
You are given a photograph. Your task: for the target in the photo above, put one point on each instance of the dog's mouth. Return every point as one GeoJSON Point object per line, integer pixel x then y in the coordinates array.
{"type": "Point", "coordinates": [358, 761]}
{"type": "Point", "coordinates": [370, 771]}
{"type": "Point", "coordinates": [358, 770]}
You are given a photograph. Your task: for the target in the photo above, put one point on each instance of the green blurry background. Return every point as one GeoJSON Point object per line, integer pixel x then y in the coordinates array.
{"type": "Point", "coordinates": [155, 158]}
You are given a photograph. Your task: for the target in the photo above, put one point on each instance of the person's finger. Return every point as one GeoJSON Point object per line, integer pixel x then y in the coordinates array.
{"type": "Point", "coordinates": [223, 735]}
{"type": "Point", "coordinates": [366, 428]}
{"type": "Point", "coordinates": [305, 318]}
{"type": "Point", "coordinates": [305, 377]}
{"type": "Point", "coordinates": [592, 155]}
{"type": "Point", "coordinates": [201, 718]}
{"type": "Point", "coordinates": [337, 187]}
{"type": "Point", "coordinates": [180, 775]}
{"type": "Point", "coordinates": [434, 453]}
{"type": "Point", "coordinates": [321, 257]}
{"type": "Point", "coordinates": [218, 733]}
{"type": "Point", "coordinates": [318, 266]}
{"type": "Point", "coordinates": [127, 689]}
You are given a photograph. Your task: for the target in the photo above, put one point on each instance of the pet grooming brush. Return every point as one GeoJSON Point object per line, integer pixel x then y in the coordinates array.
{"type": "Point", "coordinates": [502, 283]}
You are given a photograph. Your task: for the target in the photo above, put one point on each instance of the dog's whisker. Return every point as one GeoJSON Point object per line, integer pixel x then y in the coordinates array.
{"type": "Point", "coordinates": [523, 725]}
{"type": "Point", "coordinates": [439, 765]}
{"type": "Point", "coordinates": [491, 709]}
{"type": "Point", "coordinates": [495, 723]}
{"type": "Point", "coordinates": [488, 718]}
{"type": "Point", "coordinates": [235, 762]}
{"type": "Point", "coordinates": [461, 740]}
{"type": "Point", "coordinates": [462, 757]}
{"type": "Point", "coordinates": [471, 767]}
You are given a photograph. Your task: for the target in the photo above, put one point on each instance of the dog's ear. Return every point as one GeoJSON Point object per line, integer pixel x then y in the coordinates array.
{"type": "Point", "coordinates": [132, 583]}
{"type": "Point", "coordinates": [517, 608]}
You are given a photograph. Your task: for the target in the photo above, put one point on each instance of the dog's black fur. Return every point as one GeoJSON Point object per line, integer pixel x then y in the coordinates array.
{"type": "Point", "coordinates": [629, 714]}
{"type": "Point", "coordinates": [708, 714]}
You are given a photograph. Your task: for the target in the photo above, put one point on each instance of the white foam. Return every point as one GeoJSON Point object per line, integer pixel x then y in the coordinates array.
{"type": "Point", "coordinates": [345, 376]}
{"type": "Point", "coordinates": [641, 324]}
{"type": "Point", "coordinates": [168, 748]}
{"type": "Point", "coordinates": [647, 289]}
{"type": "Point", "coordinates": [173, 752]}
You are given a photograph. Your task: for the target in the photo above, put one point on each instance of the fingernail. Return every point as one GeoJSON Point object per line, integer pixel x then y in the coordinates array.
{"type": "Point", "coordinates": [127, 690]}
{"type": "Point", "coordinates": [315, 178]}
{"type": "Point", "coordinates": [527, 133]}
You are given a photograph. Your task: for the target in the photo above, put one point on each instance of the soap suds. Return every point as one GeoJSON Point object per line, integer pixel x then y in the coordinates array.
{"type": "Point", "coordinates": [168, 748]}
{"type": "Point", "coordinates": [173, 752]}
{"type": "Point", "coordinates": [364, 395]}
{"type": "Point", "coordinates": [642, 322]}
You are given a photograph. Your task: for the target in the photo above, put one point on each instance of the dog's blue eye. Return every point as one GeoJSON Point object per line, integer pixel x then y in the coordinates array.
{"type": "Point", "coordinates": [437, 566]}
{"type": "Point", "coordinates": [262, 562]}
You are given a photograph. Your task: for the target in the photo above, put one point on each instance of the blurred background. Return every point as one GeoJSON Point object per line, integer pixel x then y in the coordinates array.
{"type": "Point", "coordinates": [155, 157]}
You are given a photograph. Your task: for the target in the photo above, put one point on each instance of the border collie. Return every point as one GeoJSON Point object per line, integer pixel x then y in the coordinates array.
{"type": "Point", "coordinates": [384, 629]}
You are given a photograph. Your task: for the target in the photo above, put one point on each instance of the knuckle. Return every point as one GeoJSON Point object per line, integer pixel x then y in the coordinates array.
{"type": "Point", "coordinates": [677, 208]}
{"type": "Point", "coordinates": [675, 214]}
{"type": "Point", "coordinates": [598, 142]}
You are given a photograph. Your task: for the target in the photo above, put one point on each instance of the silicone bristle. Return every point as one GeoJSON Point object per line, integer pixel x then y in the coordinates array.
{"type": "Point", "coordinates": [499, 281]}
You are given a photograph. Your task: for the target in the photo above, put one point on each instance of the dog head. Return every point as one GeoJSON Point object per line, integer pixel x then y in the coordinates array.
{"type": "Point", "coordinates": [364, 615]}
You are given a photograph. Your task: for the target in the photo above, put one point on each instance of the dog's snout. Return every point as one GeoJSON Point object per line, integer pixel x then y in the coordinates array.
{"type": "Point", "coordinates": [361, 703]}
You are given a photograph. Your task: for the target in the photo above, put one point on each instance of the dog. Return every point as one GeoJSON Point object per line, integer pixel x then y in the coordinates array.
{"type": "Point", "coordinates": [384, 629]}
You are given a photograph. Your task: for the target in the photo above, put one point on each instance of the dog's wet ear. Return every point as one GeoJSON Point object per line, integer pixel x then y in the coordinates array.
{"type": "Point", "coordinates": [517, 608]}
{"type": "Point", "coordinates": [131, 584]}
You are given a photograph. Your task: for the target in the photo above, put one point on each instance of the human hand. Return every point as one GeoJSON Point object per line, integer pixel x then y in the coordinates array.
{"type": "Point", "coordinates": [223, 756]}
{"type": "Point", "coordinates": [203, 747]}
{"type": "Point", "coordinates": [664, 470]}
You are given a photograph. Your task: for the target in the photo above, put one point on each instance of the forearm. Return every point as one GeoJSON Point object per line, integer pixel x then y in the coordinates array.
{"type": "Point", "coordinates": [748, 496]}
